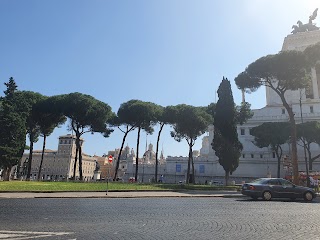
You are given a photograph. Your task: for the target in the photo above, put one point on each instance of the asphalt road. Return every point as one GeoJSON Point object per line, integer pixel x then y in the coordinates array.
{"type": "Point", "coordinates": [158, 218]}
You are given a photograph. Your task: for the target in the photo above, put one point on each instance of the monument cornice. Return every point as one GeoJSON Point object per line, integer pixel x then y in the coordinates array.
{"type": "Point", "coordinates": [299, 41]}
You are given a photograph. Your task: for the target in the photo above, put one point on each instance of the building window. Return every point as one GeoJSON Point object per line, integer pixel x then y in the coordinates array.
{"type": "Point", "coordinates": [283, 111]}
{"type": "Point", "coordinates": [274, 155]}
{"type": "Point", "coordinates": [243, 155]}
{"type": "Point", "coordinates": [178, 167]}
{"type": "Point", "coordinates": [252, 156]}
{"type": "Point", "coordinates": [242, 131]}
{"type": "Point", "coordinates": [261, 155]}
{"type": "Point", "coordinates": [201, 168]}
{"type": "Point", "coordinates": [311, 109]}
{"type": "Point", "coordinates": [250, 131]}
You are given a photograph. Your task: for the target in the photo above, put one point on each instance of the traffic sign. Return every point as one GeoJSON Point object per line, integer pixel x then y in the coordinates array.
{"type": "Point", "coordinates": [110, 159]}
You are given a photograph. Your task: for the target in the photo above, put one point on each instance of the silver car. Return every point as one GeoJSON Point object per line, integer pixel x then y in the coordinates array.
{"type": "Point", "coordinates": [268, 188]}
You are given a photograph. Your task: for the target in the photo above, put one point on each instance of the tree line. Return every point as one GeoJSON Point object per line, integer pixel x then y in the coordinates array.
{"type": "Point", "coordinates": [31, 114]}
{"type": "Point", "coordinates": [274, 135]}
{"type": "Point", "coordinates": [26, 112]}
{"type": "Point", "coordinates": [281, 72]}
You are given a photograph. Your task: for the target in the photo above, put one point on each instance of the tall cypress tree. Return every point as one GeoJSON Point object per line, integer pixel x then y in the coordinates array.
{"type": "Point", "coordinates": [12, 131]}
{"type": "Point", "coordinates": [225, 143]}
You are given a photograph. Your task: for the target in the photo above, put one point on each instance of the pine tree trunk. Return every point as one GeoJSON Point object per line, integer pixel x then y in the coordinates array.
{"type": "Point", "coordinates": [188, 170]}
{"type": "Point", "coordinates": [42, 155]}
{"type": "Point", "coordinates": [80, 163]}
{"type": "Point", "coordinates": [227, 174]}
{"type": "Point", "coordinates": [192, 164]}
{"type": "Point", "coordinates": [310, 159]}
{"type": "Point", "coordinates": [75, 162]}
{"type": "Point", "coordinates": [137, 155]}
{"type": "Point", "coordinates": [157, 151]}
{"type": "Point", "coordinates": [30, 157]}
{"type": "Point", "coordinates": [119, 155]}
{"type": "Point", "coordinates": [276, 149]}
{"type": "Point", "coordinates": [294, 151]}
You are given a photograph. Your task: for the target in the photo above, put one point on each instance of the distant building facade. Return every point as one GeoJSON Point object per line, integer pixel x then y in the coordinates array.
{"type": "Point", "coordinates": [59, 165]}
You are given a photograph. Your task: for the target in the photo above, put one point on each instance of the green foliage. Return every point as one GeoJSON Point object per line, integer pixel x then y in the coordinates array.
{"type": "Point", "coordinates": [27, 102]}
{"type": "Point", "coordinates": [243, 113]}
{"type": "Point", "coordinates": [271, 134]}
{"type": "Point", "coordinates": [86, 114]}
{"type": "Point", "coordinates": [30, 100]}
{"type": "Point", "coordinates": [309, 131]}
{"type": "Point", "coordinates": [35, 186]}
{"type": "Point", "coordinates": [313, 54]}
{"type": "Point", "coordinates": [142, 115]}
{"type": "Point", "coordinates": [11, 88]}
{"type": "Point", "coordinates": [246, 82]}
{"type": "Point", "coordinates": [13, 128]}
{"type": "Point", "coordinates": [12, 139]}
{"type": "Point", "coordinates": [210, 109]}
{"type": "Point", "coordinates": [289, 68]}
{"type": "Point", "coordinates": [188, 122]}
{"type": "Point", "coordinates": [225, 143]}
{"type": "Point", "coordinates": [137, 113]}
{"type": "Point", "coordinates": [47, 117]}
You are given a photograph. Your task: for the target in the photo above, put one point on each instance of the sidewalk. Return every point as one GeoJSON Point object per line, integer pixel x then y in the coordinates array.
{"type": "Point", "coordinates": [117, 194]}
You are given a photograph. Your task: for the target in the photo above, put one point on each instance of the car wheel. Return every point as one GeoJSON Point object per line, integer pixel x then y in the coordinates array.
{"type": "Point", "coordinates": [267, 196]}
{"type": "Point", "coordinates": [308, 196]}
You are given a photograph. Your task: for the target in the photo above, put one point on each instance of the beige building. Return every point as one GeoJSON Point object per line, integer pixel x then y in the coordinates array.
{"type": "Point", "coordinates": [105, 167]}
{"type": "Point", "coordinates": [59, 164]}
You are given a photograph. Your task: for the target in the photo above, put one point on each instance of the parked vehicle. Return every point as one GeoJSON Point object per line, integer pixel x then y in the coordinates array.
{"type": "Point", "coordinates": [268, 188]}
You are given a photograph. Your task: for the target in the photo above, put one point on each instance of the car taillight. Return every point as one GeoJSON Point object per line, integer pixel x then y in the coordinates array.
{"type": "Point", "coordinates": [251, 187]}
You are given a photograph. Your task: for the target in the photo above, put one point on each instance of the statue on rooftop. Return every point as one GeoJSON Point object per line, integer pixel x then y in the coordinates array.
{"type": "Point", "coordinates": [306, 27]}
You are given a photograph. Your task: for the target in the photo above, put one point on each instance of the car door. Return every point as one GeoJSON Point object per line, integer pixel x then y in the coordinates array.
{"type": "Point", "coordinates": [288, 189]}
{"type": "Point", "coordinates": [275, 187]}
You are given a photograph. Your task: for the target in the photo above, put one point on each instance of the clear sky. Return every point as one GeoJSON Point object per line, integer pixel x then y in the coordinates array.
{"type": "Point", "coordinates": [166, 52]}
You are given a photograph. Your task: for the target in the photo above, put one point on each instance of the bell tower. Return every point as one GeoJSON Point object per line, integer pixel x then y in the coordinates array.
{"type": "Point", "coordinates": [67, 145]}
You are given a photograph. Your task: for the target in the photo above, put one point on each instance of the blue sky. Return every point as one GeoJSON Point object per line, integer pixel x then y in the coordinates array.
{"type": "Point", "coordinates": [166, 52]}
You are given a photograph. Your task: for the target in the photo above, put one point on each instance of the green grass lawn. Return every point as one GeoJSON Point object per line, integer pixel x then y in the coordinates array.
{"type": "Point", "coordinates": [8, 186]}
